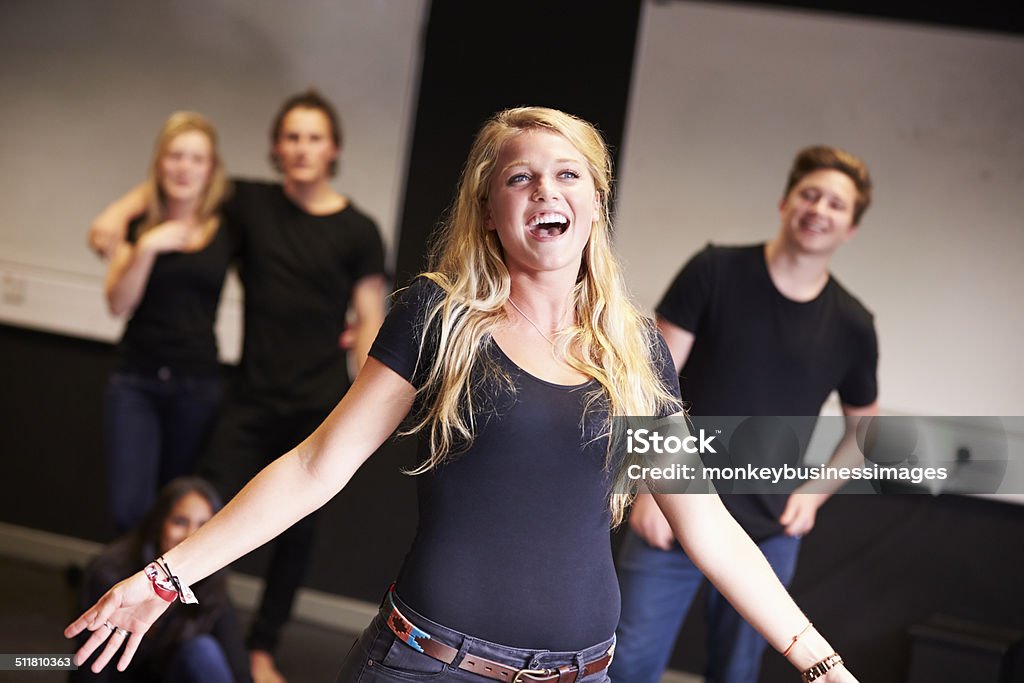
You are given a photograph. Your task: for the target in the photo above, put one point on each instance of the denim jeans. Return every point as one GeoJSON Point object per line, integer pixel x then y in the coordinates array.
{"type": "Point", "coordinates": [658, 587]}
{"type": "Point", "coordinates": [156, 427]}
{"type": "Point", "coordinates": [199, 660]}
{"type": "Point", "coordinates": [380, 657]}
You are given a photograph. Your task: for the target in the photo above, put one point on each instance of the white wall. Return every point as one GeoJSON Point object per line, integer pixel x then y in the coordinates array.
{"type": "Point", "coordinates": [723, 97]}
{"type": "Point", "coordinates": [87, 84]}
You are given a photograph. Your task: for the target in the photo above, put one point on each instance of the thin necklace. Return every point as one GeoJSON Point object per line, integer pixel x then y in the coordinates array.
{"type": "Point", "coordinates": [530, 320]}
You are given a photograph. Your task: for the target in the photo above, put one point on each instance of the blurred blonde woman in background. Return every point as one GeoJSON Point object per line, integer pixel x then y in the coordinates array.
{"type": "Point", "coordinates": [164, 394]}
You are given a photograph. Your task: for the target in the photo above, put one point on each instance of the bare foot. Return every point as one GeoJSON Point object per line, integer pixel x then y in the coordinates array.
{"type": "Point", "coordinates": [263, 670]}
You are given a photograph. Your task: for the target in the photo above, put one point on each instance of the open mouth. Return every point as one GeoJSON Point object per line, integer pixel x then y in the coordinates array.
{"type": "Point", "coordinates": [548, 224]}
{"type": "Point", "coordinates": [815, 226]}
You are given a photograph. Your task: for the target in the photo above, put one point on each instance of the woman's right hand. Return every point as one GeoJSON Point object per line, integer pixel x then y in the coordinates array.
{"type": "Point", "coordinates": [168, 236]}
{"type": "Point", "coordinates": [125, 612]}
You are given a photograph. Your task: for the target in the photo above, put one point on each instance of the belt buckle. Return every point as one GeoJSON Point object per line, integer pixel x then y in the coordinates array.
{"type": "Point", "coordinates": [530, 672]}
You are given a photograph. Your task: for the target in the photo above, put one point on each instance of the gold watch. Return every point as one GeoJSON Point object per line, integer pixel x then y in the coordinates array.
{"type": "Point", "coordinates": [821, 668]}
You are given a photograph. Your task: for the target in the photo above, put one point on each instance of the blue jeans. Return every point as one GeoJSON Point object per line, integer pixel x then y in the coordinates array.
{"type": "Point", "coordinates": [658, 587]}
{"type": "Point", "coordinates": [379, 657]}
{"type": "Point", "coordinates": [199, 660]}
{"type": "Point", "coordinates": [156, 427]}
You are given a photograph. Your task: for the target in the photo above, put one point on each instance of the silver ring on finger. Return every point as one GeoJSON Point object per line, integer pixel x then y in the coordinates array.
{"type": "Point", "coordinates": [123, 632]}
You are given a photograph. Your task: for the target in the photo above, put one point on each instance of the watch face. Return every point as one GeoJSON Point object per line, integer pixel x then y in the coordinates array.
{"type": "Point", "coordinates": [821, 668]}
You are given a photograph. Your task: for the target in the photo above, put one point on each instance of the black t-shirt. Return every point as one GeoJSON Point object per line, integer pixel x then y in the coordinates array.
{"type": "Point", "coordinates": [298, 271]}
{"type": "Point", "coordinates": [755, 352]}
{"type": "Point", "coordinates": [173, 324]}
{"type": "Point", "coordinates": [512, 544]}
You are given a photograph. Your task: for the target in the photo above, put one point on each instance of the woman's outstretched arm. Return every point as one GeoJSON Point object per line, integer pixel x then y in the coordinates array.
{"type": "Point", "coordinates": [733, 563]}
{"type": "Point", "coordinates": [288, 489]}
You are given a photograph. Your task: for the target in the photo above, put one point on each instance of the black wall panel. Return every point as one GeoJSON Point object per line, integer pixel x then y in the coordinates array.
{"type": "Point", "coordinates": [482, 57]}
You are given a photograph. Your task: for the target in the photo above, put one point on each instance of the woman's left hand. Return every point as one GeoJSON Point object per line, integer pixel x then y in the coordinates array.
{"type": "Point", "coordinates": [124, 613]}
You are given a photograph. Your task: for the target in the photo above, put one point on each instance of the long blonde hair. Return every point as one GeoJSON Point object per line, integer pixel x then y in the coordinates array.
{"type": "Point", "coordinates": [611, 342]}
{"type": "Point", "coordinates": [216, 187]}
